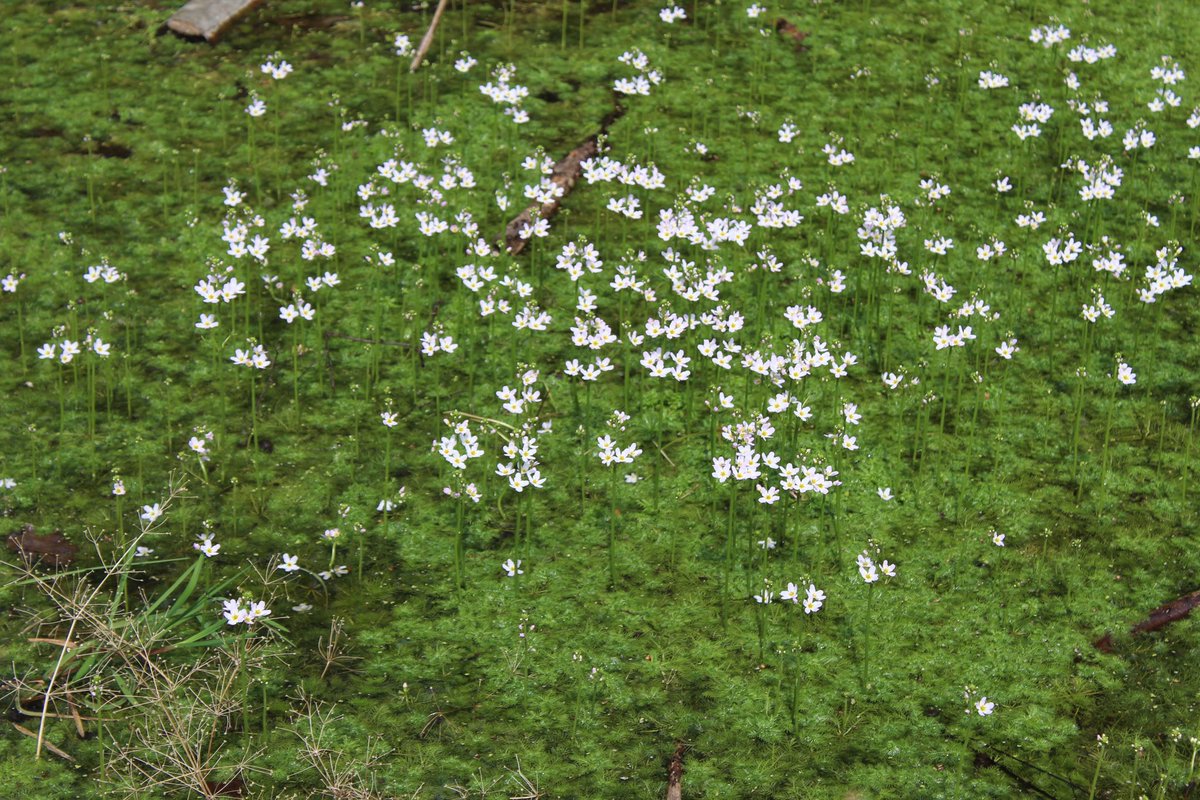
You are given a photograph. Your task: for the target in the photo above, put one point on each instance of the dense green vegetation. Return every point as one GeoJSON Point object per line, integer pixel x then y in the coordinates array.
{"type": "Point", "coordinates": [931, 272]}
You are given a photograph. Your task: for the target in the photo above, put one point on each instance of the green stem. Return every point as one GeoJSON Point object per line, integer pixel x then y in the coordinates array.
{"type": "Point", "coordinates": [612, 527]}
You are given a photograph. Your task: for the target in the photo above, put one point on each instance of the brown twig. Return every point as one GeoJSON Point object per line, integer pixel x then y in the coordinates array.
{"type": "Point", "coordinates": [57, 642]}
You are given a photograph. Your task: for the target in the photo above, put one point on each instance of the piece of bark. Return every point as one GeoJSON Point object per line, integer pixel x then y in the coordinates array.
{"type": "Point", "coordinates": [208, 19]}
{"type": "Point", "coordinates": [1160, 617]}
{"type": "Point", "coordinates": [51, 549]}
{"type": "Point", "coordinates": [565, 175]}
{"type": "Point", "coordinates": [675, 773]}
{"type": "Point", "coordinates": [790, 31]}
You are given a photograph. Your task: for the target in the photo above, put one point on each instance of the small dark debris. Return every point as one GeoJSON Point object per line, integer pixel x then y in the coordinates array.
{"type": "Point", "coordinates": [13, 714]}
{"type": "Point", "coordinates": [51, 549]}
{"type": "Point", "coordinates": [548, 96]}
{"type": "Point", "coordinates": [112, 150]}
{"type": "Point", "coordinates": [43, 133]}
{"type": "Point", "coordinates": [311, 22]}
{"type": "Point", "coordinates": [790, 31]}
{"type": "Point", "coordinates": [266, 445]}
{"type": "Point", "coordinates": [234, 787]}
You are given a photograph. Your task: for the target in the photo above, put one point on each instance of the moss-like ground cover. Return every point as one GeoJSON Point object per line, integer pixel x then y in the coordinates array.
{"type": "Point", "coordinates": [904, 316]}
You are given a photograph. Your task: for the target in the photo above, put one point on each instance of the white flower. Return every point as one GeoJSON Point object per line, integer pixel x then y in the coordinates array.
{"type": "Point", "coordinates": [288, 563]}
{"type": "Point", "coordinates": [672, 13]}
{"type": "Point", "coordinates": [234, 613]}
{"type": "Point", "coordinates": [258, 609]}
{"type": "Point", "coordinates": [984, 706]}
{"type": "Point", "coordinates": [149, 513]}
{"type": "Point", "coordinates": [884, 492]}
{"type": "Point", "coordinates": [207, 547]}
{"type": "Point", "coordinates": [512, 568]}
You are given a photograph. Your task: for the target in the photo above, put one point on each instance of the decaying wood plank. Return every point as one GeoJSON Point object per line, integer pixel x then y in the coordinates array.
{"type": "Point", "coordinates": [208, 19]}
{"type": "Point", "coordinates": [675, 773]}
{"type": "Point", "coordinates": [1159, 618]}
{"type": "Point", "coordinates": [428, 38]}
{"type": "Point", "coordinates": [565, 174]}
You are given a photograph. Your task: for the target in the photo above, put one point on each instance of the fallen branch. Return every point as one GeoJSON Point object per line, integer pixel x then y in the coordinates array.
{"type": "Point", "coordinates": [675, 773]}
{"type": "Point", "coordinates": [428, 39]}
{"type": "Point", "coordinates": [566, 173]}
{"type": "Point", "coordinates": [1159, 618]}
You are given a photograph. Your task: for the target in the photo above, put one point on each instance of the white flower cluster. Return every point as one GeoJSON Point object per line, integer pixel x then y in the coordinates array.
{"type": "Point", "coordinates": [514, 401]}
{"type": "Point", "coordinates": [235, 614]}
{"type": "Point", "coordinates": [1164, 275]}
{"type": "Point", "coordinates": [867, 568]}
{"type": "Point", "coordinates": [578, 257]}
{"type": "Point", "coordinates": [255, 357]}
{"type": "Point", "coordinates": [433, 342]}
{"type": "Point", "coordinates": [640, 83]}
{"type": "Point", "coordinates": [506, 93]}
{"type": "Point", "coordinates": [105, 272]}
{"type": "Point", "coordinates": [1049, 35]}
{"type": "Point", "coordinates": [528, 472]}
{"type": "Point", "coordinates": [992, 80]}
{"type": "Point", "coordinates": [447, 446]}
{"type": "Point", "coordinates": [1090, 55]}
{"type": "Point", "coordinates": [610, 454]}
